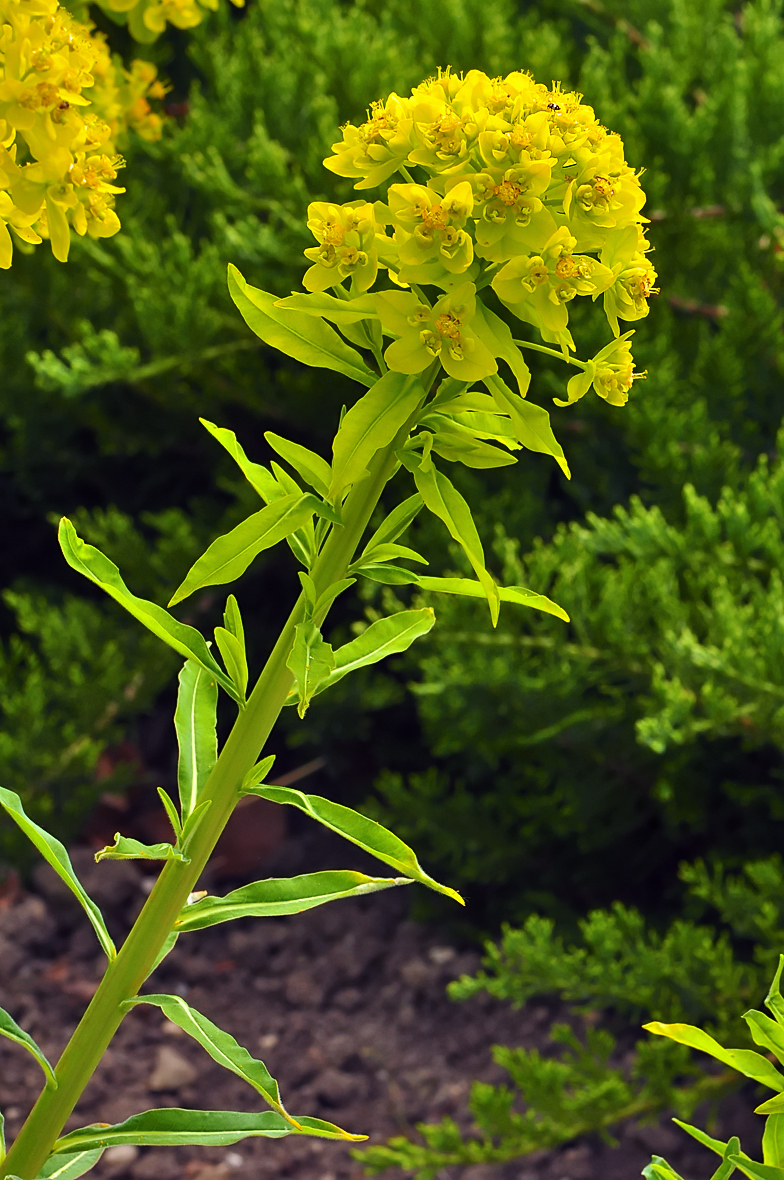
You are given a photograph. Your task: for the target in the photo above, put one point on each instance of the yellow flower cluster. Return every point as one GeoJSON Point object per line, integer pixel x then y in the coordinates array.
{"type": "Point", "coordinates": [147, 19]}
{"type": "Point", "coordinates": [502, 183]}
{"type": "Point", "coordinates": [63, 102]}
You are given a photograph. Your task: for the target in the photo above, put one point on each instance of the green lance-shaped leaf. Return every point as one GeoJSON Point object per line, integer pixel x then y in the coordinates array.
{"type": "Point", "coordinates": [90, 562]}
{"type": "Point", "coordinates": [2, 1137]}
{"type": "Point", "coordinates": [390, 575]}
{"type": "Point", "coordinates": [55, 854]}
{"type": "Point", "coordinates": [389, 552]}
{"type": "Point", "coordinates": [126, 848]}
{"type": "Point", "coordinates": [278, 896]}
{"type": "Point", "coordinates": [258, 773]}
{"type": "Point", "coordinates": [766, 1032]}
{"type": "Point", "coordinates": [531, 423]}
{"type": "Point", "coordinates": [385, 637]}
{"type": "Point", "coordinates": [232, 619]}
{"type": "Point", "coordinates": [471, 589]}
{"type": "Point", "coordinates": [233, 654]}
{"type": "Point", "coordinates": [371, 424]}
{"type": "Point", "coordinates": [442, 498]}
{"type": "Point", "coordinates": [195, 724]}
{"type": "Point", "coordinates": [773, 1141]}
{"type": "Point", "coordinates": [221, 1046]}
{"type": "Point", "coordinates": [366, 833]}
{"type": "Point", "coordinates": [230, 555]}
{"type": "Point", "coordinates": [497, 338]}
{"type": "Point", "coordinates": [304, 337]}
{"type": "Point", "coordinates": [70, 1166]}
{"type": "Point", "coordinates": [754, 1170]}
{"type": "Point", "coordinates": [172, 1127]}
{"type": "Point", "coordinates": [458, 447]}
{"type": "Point", "coordinates": [328, 307]}
{"type": "Point", "coordinates": [311, 660]}
{"type": "Point", "coordinates": [313, 469]}
{"type": "Point", "coordinates": [171, 811]}
{"type": "Point", "coordinates": [395, 524]}
{"type": "Point", "coordinates": [10, 1029]}
{"type": "Point", "coordinates": [745, 1061]}
{"type": "Point", "coordinates": [659, 1169]}
{"type": "Point", "coordinates": [773, 1000]}
{"type": "Point", "coordinates": [328, 596]}
{"type": "Point", "coordinates": [262, 480]}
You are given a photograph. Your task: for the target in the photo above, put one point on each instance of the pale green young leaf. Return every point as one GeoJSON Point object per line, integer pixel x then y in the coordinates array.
{"type": "Point", "coordinates": [167, 947]}
{"type": "Point", "coordinates": [311, 660]}
{"type": "Point", "coordinates": [2, 1137]}
{"type": "Point", "coordinates": [126, 848]}
{"type": "Point", "coordinates": [70, 1166]}
{"type": "Point", "coordinates": [358, 829]}
{"type": "Point", "coordinates": [313, 469]}
{"type": "Point", "coordinates": [278, 896]}
{"type": "Point", "coordinates": [325, 600]}
{"type": "Point", "coordinates": [11, 1030]}
{"type": "Point", "coordinates": [531, 423]}
{"type": "Point", "coordinates": [471, 589]}
{"type": "Point", "coordinates": [260, 479]}
{"type": "Point", "coordinates": [192, 823]}
{"type": "Point", "coordinates": [754, 1170]}
{"type": "Point", "coordinates": [339, 311]}
{"type": "Point", "coordinates": [171, 811]}
{"type": "Point", "coordinates": [371, 424]}
{"type": "Point", "coordinates": [745, 1061]}
{"type": "Point", "coordinates": [491, 426]}
{"type": "Point", "coordinates": [659, 1169]}
{"type": "Point", "coordinates": [172, 1127]}
{"type": "Point", "coordinates": [773, 1000]}
{"type": "Point", "coordinates": [766, 1032]}
{"type": "Point", "coordinates": [55, 854]}
{"type": "Point", "coordinates": [221, 1046]}
{"type": "Point", "coordinates": [383, 638]}
{"type": "Point", "coordinates": [497, 338]}
{"type": "Point", "coordinates": [387, 552]}
{"type": "Point", "coordinates": [234, 658]}
{"type": "Point", "coordinates": [232, 619]}
{"type": "Point", "coordinates": [456, 447]}
{"type": "Point", "coordinates": [442, 498]}
{"type": "Point", "coordinates": [461, 403]}
{"type": "Point", "coordinates": [712, 1144]}
{"type": "Point", "coordinates": [304, 337]}
{"type": "Point", "coordinates": [258, 773]}
{"type": "Point", "coordinates": [90, 562]}
{"type": "Point", "coordinates": [395, 524]}
{"type": "Point", "coordinates": [230, 555]}
{"type": "Point", "coordinates": [195, 719]}
{"type": "Point", "coordinates": [388, 574]}
{"type": "Point", "coordinates": [773, 1141]}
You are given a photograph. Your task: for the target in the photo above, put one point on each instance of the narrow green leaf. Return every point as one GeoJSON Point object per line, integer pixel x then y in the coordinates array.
{"type": "Point", "coordinates": [773, 1141]}
{"type": "Point", "coordinates": [2, 1137]}
{"type": "Point", "coordinates": [745, 1061]}
{"type": "Point", "coordinates": [659, 1169]}
{"type": "Point", "coordinates": [171, 1127]}
{"type": "Point", "coordinates": [192, 823]}
{"type": "Point", "coordinates": [313, 469]}
{"type": "Point", "coordinates": [258, 773]}
{"type": "Point", "coordinates": [531, 423]}
{"type": "Point", "coordinates": [311, 660]}
{"type": "Point", "coordinates": [517, 594]}
{"type": "Point", "coordinates": [497, 338]}
{"type": "Point", "coordinates": [706, 1140]}
{"type": "Point", "coordinates": [230, 555]}
{"type": "Point", "coordinates": [126, 848]}
{"type": "Point", "coordinates": [221, 1046]}
{"type": "Point", "coordinates": [371, 424]}
{"type": "Point", "coordinates": [442, 498]}
{"type": "Point", "coordinates": [90, 562]}
{"type": "Point", "coordinates": [304, 337]}
{"type": "Point", "coordinates": [766, 1032]}
{"type": "Point", "coordinates": [360, 830]}
{"type": "Point", "coordinates": [278, 896]}
{"type": "Point", "coordinates": [11, 1030]}
{"type": "Point", "coordinates": [55, 854]}
{"type": "Point", "coordinates": [388, 552]}
{"type": "Point", "coordinates": [339, 311]}
{"type": "Point", "coordinates": [390, 575]}
{"type": "Point", "coordinates": [325, 600]}
{"type": "Point", "coordinates": [383, 638]}
{"type": "Point", "coordinates": [471, 452]}
{"type": "Point", "coordinates": [168, 946]}
{"type": "Point", "coordinates": [756, 1171]}
{"type": "Point", "coordinates": [726, 1167]}
{"type": "Point", "coordinates": [195, 723]}
{"type": "Point", "coordinates": [70, 1166]}
{"type": "Point", "coordinates": [233, 654]}
{"type": "Point", "coordinates": [232, 619]}
{"type": "Point", "coordinates": [262, 480]}
{"type": "Point", "coordinates": [773, 1000]}
{"type": "Point", "coordinates": [395, 524]}
{"type": "Point", "coordinates": [171, 812]}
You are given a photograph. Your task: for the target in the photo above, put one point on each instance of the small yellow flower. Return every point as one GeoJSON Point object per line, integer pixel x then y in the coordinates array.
{"type": "Point", "coordinates": [426, 333]}
{"type": "Point", "coordinates": [429, 231]}
{"type": "Point", "coordinates": [611, 372]}
{"type": "Point", "coordinates": [347, 246]}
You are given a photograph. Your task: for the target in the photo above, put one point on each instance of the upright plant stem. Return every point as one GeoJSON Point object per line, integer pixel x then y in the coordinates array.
{"type": "Point", "coordinates": [177, 880]}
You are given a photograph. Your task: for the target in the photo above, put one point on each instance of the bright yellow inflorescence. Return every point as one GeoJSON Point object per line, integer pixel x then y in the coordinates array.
{"type": "Point", "coordinates": [63, 103]}
{"type": "Point", "coordinates": [496, 182]}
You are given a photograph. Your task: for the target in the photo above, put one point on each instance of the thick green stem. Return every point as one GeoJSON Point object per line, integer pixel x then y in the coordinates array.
{"type": "Point", "coordinates": [135, 961]}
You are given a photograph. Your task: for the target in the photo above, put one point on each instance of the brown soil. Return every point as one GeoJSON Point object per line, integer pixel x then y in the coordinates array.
{"type": "Point", "coordinates": [346, 1004]}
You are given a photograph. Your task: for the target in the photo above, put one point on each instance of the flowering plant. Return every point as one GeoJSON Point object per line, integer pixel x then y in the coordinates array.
{"type": "Point", "coordinates": [516, 189]}
{"type": "Point", "coordinates": [63, 103]}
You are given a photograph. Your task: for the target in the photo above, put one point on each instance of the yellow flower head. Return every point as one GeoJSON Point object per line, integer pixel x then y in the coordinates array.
{"type": "Point", "coordinates": [491, 182]}
{"type": "Point", "coordinates": [611, 372]}
{"type": "Point", "coordinates": [63, 103]}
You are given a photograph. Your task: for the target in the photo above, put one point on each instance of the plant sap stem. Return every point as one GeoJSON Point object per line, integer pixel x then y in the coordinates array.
{"type": "Point", "coordinates": [127, 973]}
{"type": "Point", "coordinates": [559, 356]}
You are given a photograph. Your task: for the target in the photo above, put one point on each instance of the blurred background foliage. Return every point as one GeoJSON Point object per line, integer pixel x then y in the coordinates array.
{"type": "Point", "coordinates": [547, 770]}
{"type": "Point", "coordinates": [542, 767]}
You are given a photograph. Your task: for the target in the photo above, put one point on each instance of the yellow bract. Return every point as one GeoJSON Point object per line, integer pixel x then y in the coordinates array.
{"type": "Point", "coordinates": [63, 102]}
{"type": "Point", "coordinates": [495, 182]}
